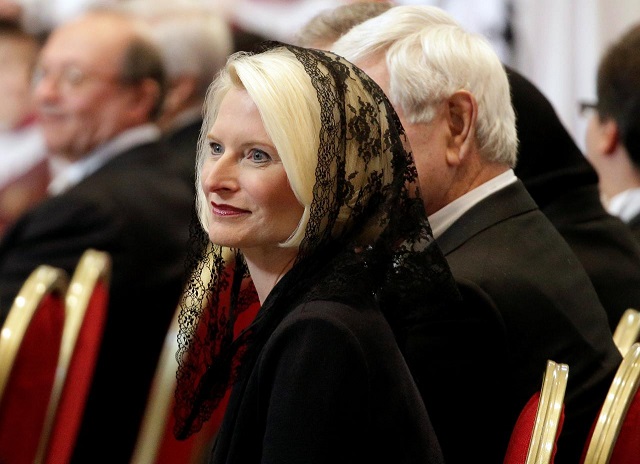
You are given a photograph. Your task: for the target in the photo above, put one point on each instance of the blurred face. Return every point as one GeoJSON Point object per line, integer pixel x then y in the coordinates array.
{"type": "Point", "coordinates": [593, 136]}
{"type": "Point", "coordinates": [80, 99]}
{"type": "Point", "coordinates": [252, 205]}
{"type": "Point", "coordinates": [428, 141]}
{"type": "Point", "coordinates": [17, 57]}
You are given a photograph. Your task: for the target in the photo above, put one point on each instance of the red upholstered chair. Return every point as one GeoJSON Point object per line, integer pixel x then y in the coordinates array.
{"type": "Point", "coordinates": [30, 342]}
{"type": "Point", "coordinates": [156, 443]}
{"type": "Point", "coordinates": [535, 435]}
{"type": "Point", "coordinates": [86, 304]}
{"type": "Point", "coordinates": [627, 331]}
{"type": "Point", "coordinates": [616, 433]}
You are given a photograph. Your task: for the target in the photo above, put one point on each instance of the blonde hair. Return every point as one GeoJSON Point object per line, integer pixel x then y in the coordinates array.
{"type": "Point", "coordinates": [288, 103]}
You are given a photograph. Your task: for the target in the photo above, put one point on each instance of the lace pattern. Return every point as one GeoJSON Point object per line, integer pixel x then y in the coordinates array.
{"type": "Point", "coordinates": [368, 242]}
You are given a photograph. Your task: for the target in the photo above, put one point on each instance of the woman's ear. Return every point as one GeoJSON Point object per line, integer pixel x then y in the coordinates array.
{"type": "Point", "coordinates": [462, 114]}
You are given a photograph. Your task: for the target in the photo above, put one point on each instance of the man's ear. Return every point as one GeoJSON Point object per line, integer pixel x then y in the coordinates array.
{"type": "Point", "coordinates": [144, 99]}
{"type": "Point", "coordinates": [608, 135]}
{"type": "Point", "coordinates": [462, 112]}
{"type": "Point", "coordinates": [181, 90]}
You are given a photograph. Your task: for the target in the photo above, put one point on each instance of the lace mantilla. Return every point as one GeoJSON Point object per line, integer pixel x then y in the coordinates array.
{"type": "Point", "coordinates": [384, 249]}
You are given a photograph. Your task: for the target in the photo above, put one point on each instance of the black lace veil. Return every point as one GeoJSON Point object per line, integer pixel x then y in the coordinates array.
{"type": "Point", "coordinates": [367, 237]}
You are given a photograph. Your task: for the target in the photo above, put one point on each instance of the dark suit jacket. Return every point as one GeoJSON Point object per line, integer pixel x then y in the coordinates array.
{"type": "Point", "coordinates": [527, 300]}
{"type": "Point", "coordinates": [634, 224]}
{"type": "Point", "coordinates": [329, 386]}
{"type": "Point", "coordinates": [183, 142]}
{"type": "Point", "coordinates": [565, 187]}
{"type": "Point", "coordinates": [136, 209]}
{"type": "Point", "coordinates": [603, 244]}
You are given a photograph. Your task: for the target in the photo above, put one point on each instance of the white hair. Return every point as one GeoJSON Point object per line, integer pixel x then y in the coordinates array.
{"type": "Point", "coordinates": [429, 57]}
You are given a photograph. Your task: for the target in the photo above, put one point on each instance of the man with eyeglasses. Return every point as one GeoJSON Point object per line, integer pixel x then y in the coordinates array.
{"type": "Point", "coordinates": [613, 130]}
{"type": "Point", "coordinates": [98, 88]}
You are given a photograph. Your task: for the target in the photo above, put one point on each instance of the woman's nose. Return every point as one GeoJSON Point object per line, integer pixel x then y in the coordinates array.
{"type": "Point", "coordinates": [220, 173]}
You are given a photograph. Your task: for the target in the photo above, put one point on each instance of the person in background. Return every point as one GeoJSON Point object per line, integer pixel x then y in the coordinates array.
{"type": "Point", "coordinates": [194, 42]}
{"type": "Point", "coordinates": [565, 187]}
{"type": "Point", "coordinates": [323, 29]}
{"type": "Point", "coordinates": [451, 93]}
{"type": "Point", "coordinates": [98, 87]}
{"type": "Point", "coordinates": [613, 131]}
{"type": "Point", "coordinates": [306, 189]}
{"type": "Point", "coordinates": [24, 173]}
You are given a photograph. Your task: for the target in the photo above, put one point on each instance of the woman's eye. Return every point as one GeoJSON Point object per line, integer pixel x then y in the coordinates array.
{"type": "Point", "coordinates": [216, 148]}
{"type": "Point", "coordinates": [259, 156]}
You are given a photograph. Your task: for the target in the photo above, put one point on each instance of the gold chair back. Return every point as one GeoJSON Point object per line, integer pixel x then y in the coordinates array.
{"type": "Point", "coordinates": [614, 409]}
{"type": "Point", "coordinates": [87, 295]}
{"type": "Point", "coordinates": [30, 342]}
{"type": "Point", "coordinates": [550, 406]}
{"type": "Point", "coordinates": [627, 331]}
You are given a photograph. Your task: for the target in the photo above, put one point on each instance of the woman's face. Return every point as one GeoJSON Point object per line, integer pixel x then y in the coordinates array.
{"type": "Point", "coordinates": [251, 203]}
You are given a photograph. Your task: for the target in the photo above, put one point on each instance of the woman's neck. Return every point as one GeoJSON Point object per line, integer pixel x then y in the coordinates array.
{"type": "Point", "coordinates": [267, 268]}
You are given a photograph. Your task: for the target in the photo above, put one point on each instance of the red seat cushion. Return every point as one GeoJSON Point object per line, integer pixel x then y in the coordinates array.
{"type": "Point", "coordinates": [523, 431]}
{"type": "Point", "coordinates": [627, 447]}
{"type": "Point", "coordinates": [79, 376]}
{"type": "Point", "coordinates": [27, 393]}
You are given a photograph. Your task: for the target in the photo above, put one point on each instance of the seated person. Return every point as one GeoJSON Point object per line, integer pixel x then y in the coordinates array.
{"type": "Point", "coordinates": [98, 89]}
{"type": "Point", "coordinates": [613, 130]}
{"type": "Point", "coordinates": [319, 217]}
{"type": "Point", "coordinates": [451, 93]}
{"type": "Point", "coordinates": [565, 187]}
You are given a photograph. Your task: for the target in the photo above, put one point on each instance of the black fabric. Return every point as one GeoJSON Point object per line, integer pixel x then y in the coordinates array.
{"type": "Point", "coordinates": [381, 258]}
{"type": "Point", "coordinates": [549, 162]}
{"type": "Point", "coordinates": [634, 225]}
{"type": "Point", "coordinates": [565, 186]}
{"type": "Point", "coordinates": [139, 213]}
{"type": "Point", "coordinates": [183, 142]}
{"type": "Point", "coordinates": [537, 304]}
{"type": "Point", "coordinates": [343, 403]}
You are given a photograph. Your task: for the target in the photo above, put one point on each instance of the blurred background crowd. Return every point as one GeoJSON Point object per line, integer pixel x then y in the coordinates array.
{"type": "Point", "coordinates": [99, 128]}
{"type": "Point", "coordinates": [555, 44]}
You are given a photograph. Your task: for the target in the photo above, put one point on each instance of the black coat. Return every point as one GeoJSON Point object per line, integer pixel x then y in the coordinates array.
{"type": "Point", "coordinates": [329, 386]}
{"type": "Point", "coordinates": [183, 143]}
{"type": "Point", "coordinates": [565, 187]}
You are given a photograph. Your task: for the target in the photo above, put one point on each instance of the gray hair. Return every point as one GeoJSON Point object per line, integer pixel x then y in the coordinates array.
{"type": "Point", "coordinates": [429, 57]}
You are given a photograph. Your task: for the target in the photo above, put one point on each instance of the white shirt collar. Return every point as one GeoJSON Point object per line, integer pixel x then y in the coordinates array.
{"type": "Point", "coordinates": [67, 174]}
{"type": "Point", "coordinates": [442, 219]}
{"type": "Point", "coordinates": [625, 205]}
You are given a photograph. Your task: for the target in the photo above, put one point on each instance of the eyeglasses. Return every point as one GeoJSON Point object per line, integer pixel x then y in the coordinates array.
{"type": "Point", "coordinates": [70, 78]}
{"type": "Point", "coordinates": [586, 107]}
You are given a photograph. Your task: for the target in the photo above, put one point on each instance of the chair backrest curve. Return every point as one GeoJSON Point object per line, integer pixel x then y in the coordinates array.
{"type": "Point", "coordinates": [613, 419]}
{"type": "Point", "coordinates": [627, 331]}
{"type": "Point", "coordinates": [85, 309]}
{"type": "Point", "coordinates": [30, 342]}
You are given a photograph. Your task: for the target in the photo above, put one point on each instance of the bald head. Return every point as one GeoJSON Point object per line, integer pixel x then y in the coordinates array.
{"type": "Point", "coordinates": [98, 76]}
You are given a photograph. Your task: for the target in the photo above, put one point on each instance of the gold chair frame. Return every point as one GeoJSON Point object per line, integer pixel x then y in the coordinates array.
{"type": "Point", "coordinates": [42, 281]}
{"type": "Point", "coordinates": [547, 421]}
{"type": "Point", "coordinates": [92, 267]}
{"type": "Point", "coordinates": [615, 407]}
{"type": "Point", "coordinates": [157, 411]}
{"type": "Point", "coordinates": [627, 331]}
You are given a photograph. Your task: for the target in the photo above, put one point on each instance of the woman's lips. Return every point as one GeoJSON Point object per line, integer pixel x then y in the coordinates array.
{"type": "Point", "coordinates": [226, 210]}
